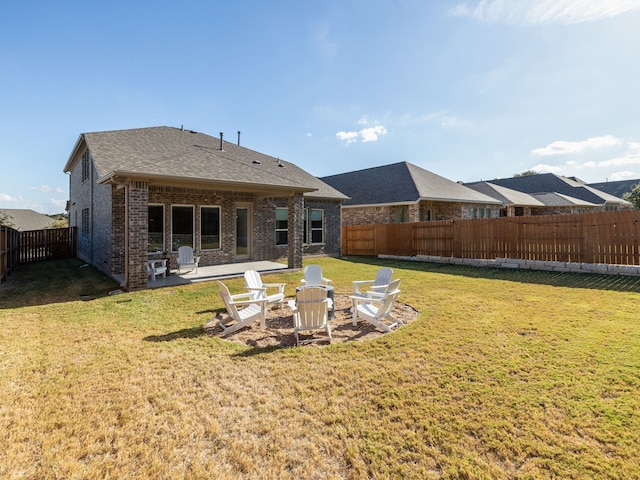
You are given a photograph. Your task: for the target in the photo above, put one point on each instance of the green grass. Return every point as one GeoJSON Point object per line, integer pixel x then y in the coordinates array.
{"type": "Point", "coordinates": [505, 374]}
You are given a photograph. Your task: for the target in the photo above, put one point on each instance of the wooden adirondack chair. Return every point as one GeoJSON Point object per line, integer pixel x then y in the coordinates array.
{"type": "Point", "coordinates": [376, 287]}
{"type": "Point", "coordinates": [311, 312]}
{"type": "Point", "coordinates": [243, 312]}
{"type": "Point", "coordinates": [157, 267]}
{"type": "Point", "coordinates": [313, 276]}
{"type": "Point", "coordinates": [375, 310]}
{"type": "Point", "coordinates": [253, 283]}
{"type": "Point", "coordinates": [186, 259]}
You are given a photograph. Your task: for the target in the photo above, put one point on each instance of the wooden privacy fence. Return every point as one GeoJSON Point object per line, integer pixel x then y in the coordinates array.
{"type": "Point", "coordinates": [9, 242]}
{"type": "Point", "coordinates": [36, 245]}
{"type": "Point", "coordinates": [603, 237]}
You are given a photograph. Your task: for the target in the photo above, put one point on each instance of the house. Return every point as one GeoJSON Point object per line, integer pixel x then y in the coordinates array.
{"type": "Point", "coordinates": [403, 192]}
{"type": "Point", "coordinates": [518, 204]}
{"type": "Point", "coordinates": [545, 183]}
{"type": "Point", "coordinates": [25, 220]}
{"type": "Point", "coordinates": [140, 194]}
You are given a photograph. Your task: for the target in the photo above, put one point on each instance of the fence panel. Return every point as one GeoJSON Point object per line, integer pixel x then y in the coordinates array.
{"type": "Point", "coordinates": [37, 245]}
{"type": "Point", "coordinates": [602, 237]}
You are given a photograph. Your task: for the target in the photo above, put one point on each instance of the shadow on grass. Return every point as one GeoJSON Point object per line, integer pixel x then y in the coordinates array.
{"type": "Point", "coordinates": [54, 281]}
{"type": "Point", "coordinates": [619, 283]}
{"type": "Point", "coordinates": [193, 332]}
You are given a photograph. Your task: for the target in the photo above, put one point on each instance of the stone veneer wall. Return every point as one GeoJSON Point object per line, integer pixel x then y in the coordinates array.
{"type": "Point", "coordinates": [515, 263]}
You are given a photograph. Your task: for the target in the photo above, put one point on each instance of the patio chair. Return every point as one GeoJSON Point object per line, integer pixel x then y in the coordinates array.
{"type": "Point", "coordinates": [376, 287]}
{"type": "Point", "coordinates": [313, 277]}
{"type": "Point", "coordinates": [253, 283]}
{"type": "Point", "coordinates": [310, 312]}
{"type": "Point", "coordinates": [375, 310]}
{"type": "Point", "coordinates": [157, 267]}
{"type": "Point", "coordinates": [242, 312]}
{"type": "Point", "coordinates": [186, 259]}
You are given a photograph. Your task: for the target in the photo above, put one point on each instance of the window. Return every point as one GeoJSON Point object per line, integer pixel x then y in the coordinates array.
{"type": "Point", "coordinates": [282, 226]}
{"type": "Point", "coordinates": [210, 228]}
{"type": "Point", "coordinates": [425, 214]}
{"type": "Point", "coordinates": [402, 214]}
{"type": "Point", "coordinates": [156, 228]}
{"type": "Point", "coordinates": [181, 226]}
{"type": "Point", "coordinates": [85, 222]}
{"type": "Point", "coordinates": [85, 166]}
{"type": "Point", "coordinates": [317, 225]}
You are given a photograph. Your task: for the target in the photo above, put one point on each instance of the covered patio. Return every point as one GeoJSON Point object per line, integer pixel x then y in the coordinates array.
{"type": "Point", "coordinates": [214, 272]}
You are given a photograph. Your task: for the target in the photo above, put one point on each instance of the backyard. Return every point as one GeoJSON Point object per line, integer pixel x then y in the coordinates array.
{"type": "Point", "coordinates": [502, 374]}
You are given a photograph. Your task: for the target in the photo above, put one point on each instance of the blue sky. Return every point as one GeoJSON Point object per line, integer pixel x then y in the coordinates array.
{"type": "Point", "coordinates": [468, 89]}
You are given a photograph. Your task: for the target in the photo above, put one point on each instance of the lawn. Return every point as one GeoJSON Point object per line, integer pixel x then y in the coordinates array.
{"type": "Point", "coordinates": [504, 374]}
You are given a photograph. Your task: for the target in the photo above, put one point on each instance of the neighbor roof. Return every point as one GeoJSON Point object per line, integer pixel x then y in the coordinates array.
{"type": "Point", "coordinates": [24, 220]}
{"type": "Point", "coordinates": [399, 183]}
{"type": "Point", "coordinates": [617, 188]}
{"type": "Point", "coordinates": [167, 155]}
{"type": "Point", "coordinates": [550, 183]}
{"type": "Point", "coordinates": [554, 199]}
{"type": "Point", "coordinates": [506, 195]}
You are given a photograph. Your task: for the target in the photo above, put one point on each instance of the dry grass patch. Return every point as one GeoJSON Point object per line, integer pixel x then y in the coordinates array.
{"type": "Point", "coordinates": [502, 375]}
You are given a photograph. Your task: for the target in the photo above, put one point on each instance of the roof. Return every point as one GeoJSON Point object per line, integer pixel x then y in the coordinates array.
{"type": "Point", "coordinates": [24, 220]}
{"type": "Point", "coordinates": [169, 156]}
{"type": "Point", "coordinates": [506, 195]}
{"type": "Point", "coordinates": [552, 183]}
{"type": "Point", "coordinates": [401, 183]}
{"type": "Point", "coordinates": [618, 188]}
{"type": "Point", "coordinates": [552, 199]}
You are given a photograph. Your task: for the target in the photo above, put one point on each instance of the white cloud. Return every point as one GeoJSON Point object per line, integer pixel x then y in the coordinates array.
{"type": "Point", "coordinates": [624, 175]}
{"type": "Point", "coordinates": [370, 134]}
{"type": "Point", "coordinates": [47, 189]}
{"type": "Point", "coordinates": [533, 12]}
{"type": "Point", "coordinates": [544, 168]}
{"type": "Point", "coordinates": [349, 137]}
{"type": "Point", "coordinates": [7, 198]}
{"type": "Point", "coordinates": [58, 202]}
{"type": "Point", "coordinates": [562, 147]}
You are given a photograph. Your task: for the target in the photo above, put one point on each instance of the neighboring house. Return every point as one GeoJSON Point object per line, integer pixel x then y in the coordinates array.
{"type": "Point", "coordinates": [571, 187]}
{"type": "Point", "coordinates": [142, 193]}
{"type": "Point", "coordinates": [517, 204]}
{"type": "Point", "coordinates": [617, 188]}
{"type": "Point", "coordinates": [403, 192]}
{"type": "Point", "coordinates": [24, 220]}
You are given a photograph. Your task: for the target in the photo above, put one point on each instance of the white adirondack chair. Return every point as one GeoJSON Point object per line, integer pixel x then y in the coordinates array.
{"type": "Point", "coordinates": [376, 287]}
{"type": "Point", "coordinates": [375, 310]}
{"type": "Point", "coordinates": [157, 267]}
{"type": "Point", "coordinates": [186, 259]}
{"type": "Point", "coordinates": [253, 283]}
{"type": "Point", "coordinates": [311, 312]}
{"type": "Point", "coordinates": [242, 312]}
{"type": "Point", "coordinates": [313, 277]}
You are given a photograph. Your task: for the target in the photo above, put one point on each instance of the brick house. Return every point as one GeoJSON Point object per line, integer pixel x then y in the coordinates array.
{"type": "Point", "coordinates": [563, 194]}
{"type": "Point", "coordinates": [141, 193]}
{"type": "Point", "coordinates": [403, 192]}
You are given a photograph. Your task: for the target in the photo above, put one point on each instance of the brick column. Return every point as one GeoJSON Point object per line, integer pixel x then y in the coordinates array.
{"type": "Point", "coordinates": [137, 237]}
{"type": "Point", "coordinates": [295, 233]}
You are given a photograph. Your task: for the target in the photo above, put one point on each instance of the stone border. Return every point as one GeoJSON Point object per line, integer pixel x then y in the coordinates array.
{"type": "Point", "coordinates": [516, 263]}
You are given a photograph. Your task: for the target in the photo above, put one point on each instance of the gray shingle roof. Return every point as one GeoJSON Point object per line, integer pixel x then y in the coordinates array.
{"type": "Point", "coordinates": [506, 195]}
{"type": "Point", "coordinates": [166, 155]}
{"type": "Point", "coordinates": [401, 183]}
{"type": "Point", "coordinates": [553, 199]}
{"type": "Point", "coordinates": [618, 188]}
{"type": "Point", "coordinates": [25, 220]}
{"type": "Point", "coordinates": [550, 183]}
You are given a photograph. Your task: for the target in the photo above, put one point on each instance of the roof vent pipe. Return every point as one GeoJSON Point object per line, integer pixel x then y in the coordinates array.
{"type": "Point", "coordinates": [221, 141]}
{"type": "Point", "coordinates": [238, 137]}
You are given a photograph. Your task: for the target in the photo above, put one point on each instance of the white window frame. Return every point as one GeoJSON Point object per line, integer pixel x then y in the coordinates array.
{"type": "Point", "coordinates": [219, 208]}
{"type": "Point", "coordinates": [164, 240]}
